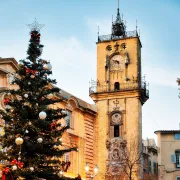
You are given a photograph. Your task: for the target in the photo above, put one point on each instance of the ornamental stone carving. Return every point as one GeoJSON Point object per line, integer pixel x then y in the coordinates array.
{"type": "Point", "coordinates": [116, 156]}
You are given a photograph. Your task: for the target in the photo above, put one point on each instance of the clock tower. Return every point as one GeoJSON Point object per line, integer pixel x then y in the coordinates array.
{"type": "Point", "coordinates": [119, 94]}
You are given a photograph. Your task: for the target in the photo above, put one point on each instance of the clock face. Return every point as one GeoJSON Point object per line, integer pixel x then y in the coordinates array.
{"type": "Point", "coordinates": [116, 118]}
{"type": "Point", "coordinates": [116, 63]}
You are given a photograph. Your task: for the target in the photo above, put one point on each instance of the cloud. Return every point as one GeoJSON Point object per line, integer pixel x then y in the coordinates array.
{"type": "Point", "coordinates": [159, 76]}
{"type": "Point", "coordinates": [73, 64]}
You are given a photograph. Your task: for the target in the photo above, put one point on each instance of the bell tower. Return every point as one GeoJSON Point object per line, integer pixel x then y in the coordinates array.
{"type": "Point", "coordinates": [119, 94]}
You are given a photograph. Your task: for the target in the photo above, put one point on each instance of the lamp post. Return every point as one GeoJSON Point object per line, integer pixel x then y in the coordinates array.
{"type": "Point", "coordinates": [95, 171]}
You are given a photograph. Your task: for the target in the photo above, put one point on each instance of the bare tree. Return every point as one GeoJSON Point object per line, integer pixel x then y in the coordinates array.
{"type": "Point", "coordinates": [132, 160]}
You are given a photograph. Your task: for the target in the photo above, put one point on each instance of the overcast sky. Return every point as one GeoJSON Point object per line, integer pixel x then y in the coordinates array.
{"type": "Point", "coordinates": [70, 34]}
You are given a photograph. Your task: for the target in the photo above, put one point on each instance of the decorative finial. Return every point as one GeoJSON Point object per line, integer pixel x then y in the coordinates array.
{"type": "Point", "coordinates": [98, 31]}
{"type": "Point", "coordinates": [35, 26]}
{"type": "Point", "coordinates": [118, 18]}
{"type": "Point", "coordinates": [112, 18]}
{"type": "Point", "coordinates": [122, 16]}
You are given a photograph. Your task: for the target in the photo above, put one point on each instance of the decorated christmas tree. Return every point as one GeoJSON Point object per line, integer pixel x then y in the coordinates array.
{"type": "Point", "coordinates": [32, 142]}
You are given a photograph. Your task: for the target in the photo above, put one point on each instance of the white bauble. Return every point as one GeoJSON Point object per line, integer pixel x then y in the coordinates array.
{"type": "Point", "coordinates": [14, 167]}
{"type": "Point", "coordinates": [39, 140]}
{"type": "Point", "coordinates": [42, 115]}
{"type": "Point", "coordinates": [9, 94]}
{"type": "Point", "coordinates": [49, 66]}
{"type": "Point", "coordinates": [50, 96]}
{"type": "Point", "coordinates": [19, 141]}
{"type": "Point", "coordinates": [32, 76]}
{"type": "Point", "coordinates": [29, 83]}
{"type": "Point", "coordinates": [19, 158]}
{"type": "Point", "coordinates": [26, 131]}
{"type": "Point", "coordinates": [29, 123]}
{"type": "Point", "coordinates": [31, 169]}
{"type": "Point", "coordinates": [60, 139]}
{"type": "Point", "coordinates": [26, 95]}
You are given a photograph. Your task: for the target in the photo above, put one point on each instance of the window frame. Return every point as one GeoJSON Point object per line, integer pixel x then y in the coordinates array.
{"type": "Point", "coordinates": [69, 119]}
{"type": "Point", "coordinates": [177, 136]}
{"type": "Point", "coordinates": [177, 155]}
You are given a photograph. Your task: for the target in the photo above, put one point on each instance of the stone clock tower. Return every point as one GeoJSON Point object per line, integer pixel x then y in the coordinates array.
{"type": "Point", "coordinates": [119, 94]}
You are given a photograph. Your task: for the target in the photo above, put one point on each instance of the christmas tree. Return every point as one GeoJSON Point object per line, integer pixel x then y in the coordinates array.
{"type": "Point", "coordinates": [32, 142]}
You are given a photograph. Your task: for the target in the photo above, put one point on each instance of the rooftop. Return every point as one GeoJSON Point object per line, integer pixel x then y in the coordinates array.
{"type": "Point", "coordinates": [167, 131]}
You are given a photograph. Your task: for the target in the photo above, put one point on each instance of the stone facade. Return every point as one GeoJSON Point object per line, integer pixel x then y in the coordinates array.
{"type": "Point", "coordinates": [168, 154]}
{"type": "Point", "coordinates": [117, 93]}
{"type": "Point", "coordinates": [150, 159]}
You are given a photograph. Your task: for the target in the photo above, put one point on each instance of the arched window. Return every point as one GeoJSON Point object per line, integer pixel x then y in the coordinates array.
{"type": "Point", "coordinates": [115, 125]}
{"type": "Point", "coordinates": [116, 86]}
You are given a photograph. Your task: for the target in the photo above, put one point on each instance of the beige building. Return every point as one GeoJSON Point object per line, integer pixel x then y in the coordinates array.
{"type": "Point", "coordinates": [168, 154]}
{"type": "Point", "coordinates": [150, 159]}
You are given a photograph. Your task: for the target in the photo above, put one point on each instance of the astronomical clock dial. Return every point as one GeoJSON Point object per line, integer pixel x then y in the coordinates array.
{"type": "Point", "coordinates": [116, 63]}
{"type": "Point", "coordinates": [116, 118]}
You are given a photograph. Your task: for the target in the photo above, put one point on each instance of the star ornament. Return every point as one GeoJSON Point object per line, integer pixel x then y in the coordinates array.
{"type": "Point", "coordinates": [35, 26]}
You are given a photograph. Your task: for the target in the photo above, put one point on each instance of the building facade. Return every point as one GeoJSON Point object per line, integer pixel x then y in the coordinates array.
{"type": "Point", "coordinates": [150, 159]}
{"type": "Point", "coordinates": [168, 154]}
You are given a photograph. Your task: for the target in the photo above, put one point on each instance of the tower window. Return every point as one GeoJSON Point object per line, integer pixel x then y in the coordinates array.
{"type": "Point", "coordinates": [116, 86]}
{"type": "Point", "coordinates": [116, 131]}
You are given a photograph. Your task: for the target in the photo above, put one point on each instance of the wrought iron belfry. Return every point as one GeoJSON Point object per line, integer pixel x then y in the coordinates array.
{"type": "Point", "coordinates": [118, 27]}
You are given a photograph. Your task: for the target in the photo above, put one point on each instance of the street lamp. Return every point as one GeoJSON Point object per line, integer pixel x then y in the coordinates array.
{"type": "Point", "coordinates": [95, 171]}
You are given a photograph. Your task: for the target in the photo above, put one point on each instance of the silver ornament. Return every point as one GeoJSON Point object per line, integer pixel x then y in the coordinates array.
{"type": "Point", "coordinates": [26, 131]}
{"type": "Point", "coordinates": [14, 167]}
{"type": "Point", "coordinates": [26, 95]}
{"type": "Point", "coordinates": [39, 140]}
{"type": "Point", "coordinates": [31, 168]}
{"type": "Point", "coordinates": [42, 115]}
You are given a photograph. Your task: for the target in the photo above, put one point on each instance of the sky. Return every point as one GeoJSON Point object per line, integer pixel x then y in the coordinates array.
{"type": "Point", "coordinates": [70, 36]}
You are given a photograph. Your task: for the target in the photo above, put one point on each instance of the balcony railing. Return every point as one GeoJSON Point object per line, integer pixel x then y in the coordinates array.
{"type": "Point", "coordinates": [122, 87]}
{"type": "Point", "coordinates": [109, 37]}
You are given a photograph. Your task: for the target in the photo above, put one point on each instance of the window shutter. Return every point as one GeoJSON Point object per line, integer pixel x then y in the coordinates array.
{"type": "Point", "coordinates": [111, 133]}
{"type": "Point", "coordinates": [149, 167]}
{"type": "Point", "coordinates": [173, 158]}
